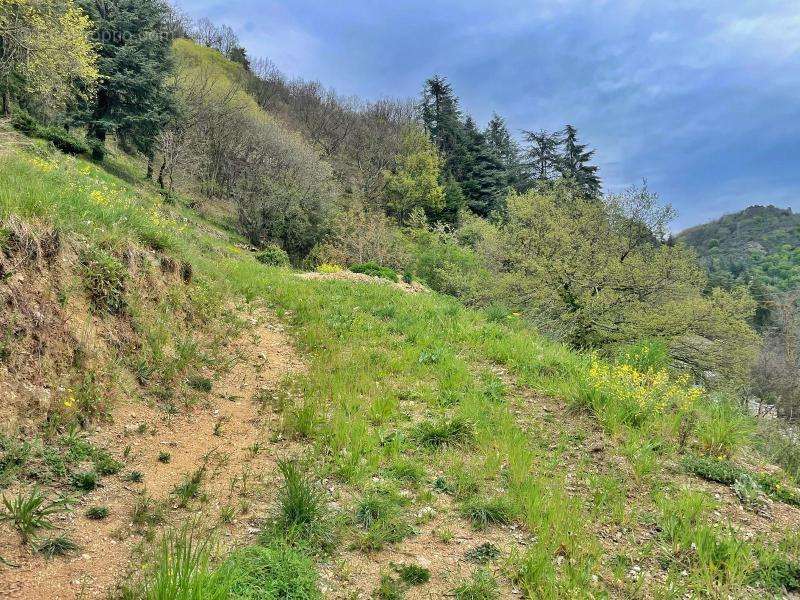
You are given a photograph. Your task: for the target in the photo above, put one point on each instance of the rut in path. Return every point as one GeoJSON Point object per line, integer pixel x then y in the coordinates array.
{"type": "Point", "coordinates": [230, 436]}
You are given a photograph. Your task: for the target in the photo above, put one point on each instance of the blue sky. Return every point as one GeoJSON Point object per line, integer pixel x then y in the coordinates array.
{"type": "Point", "coordinates": [700, 97]}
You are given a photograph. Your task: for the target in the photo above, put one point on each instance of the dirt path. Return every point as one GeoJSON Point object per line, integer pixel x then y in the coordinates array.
{"type": "Point", "coordinates": [229, 436]}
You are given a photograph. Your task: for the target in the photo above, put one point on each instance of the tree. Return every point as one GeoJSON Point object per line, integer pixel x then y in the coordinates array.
{"type": "Point", "coordinates": [441, 117]}
{"type": "Point", "coordinates": [135, 62]}
{"type": "Point", "coordinates": [484, 178]}
{"type": "Point", "coordinates": [506, 149]}
{"type": "Point", "coordinates": [45, 51]}
{"type": "Point", "coordinates": [574, 163]}
{"type": "Point", "coordinates": [542, 157]}
{"type": "Point", "coordinates": [415, 182]}
{"type": "Point", "coordinates": [578, 266]}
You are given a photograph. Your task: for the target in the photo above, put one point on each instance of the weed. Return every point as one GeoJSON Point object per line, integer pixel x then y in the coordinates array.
{"type": "Point", "coordinates": [406, 470]}
{"type": "Point", "coordinates": [164, 457]}
{"type": "Point", "coordinates": [105, 279]}
{"type": "Point", "coordinates": [722, 428]}
{"type": "Point", "coordinates": [31, 513]}
{"type": "Point", "coordinates": [380, 512]}
{"type": "Point", "coordinates": [713, 469]}
{"type": "Point", "coordinates": [135, 477]}
{"type": "Point", "coordinates": [481, 586]}
{"type": "Point", "coordinates": [189, 488]}
{"type": "Point", "coordinates": [302, 514]}
{"type": "Point", "coordinates": [227, 514]}
{"type": "Point", "coordinates": [482, 554]}
{"type": "Point", "coordinates": [389, 589]}
{"type": "Point", "coordinates": [85, 481]}
{"type": "Point", "coordinates": [146, 511]}
{"type": "Point", "coordinates": [200, 384]}
{"type": "Point", "coordinates": [436, 434]}
{"type": "Point", "coordinates": [411, 574]}
{"type": "Point", "coordinates": [59, 545]}
{"type": "Point", "coordinates": [97, 513]}
{"type": "Point", "coordinates": [483, 512]}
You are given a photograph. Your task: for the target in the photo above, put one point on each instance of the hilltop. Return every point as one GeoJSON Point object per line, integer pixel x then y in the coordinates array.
{"type": "Point", "coordinates": [759, 243]}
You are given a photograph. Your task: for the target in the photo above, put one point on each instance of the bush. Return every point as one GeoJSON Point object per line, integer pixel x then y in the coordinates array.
{"type": "Point", "coordinates": [64, 140]}
{"type": "Point", "coordinates": [273, 256]}
{"type": "Point", "coordinates": [22, 121]}
{"type": "Point", "coordinates": [97, 148]}
{"type": "Point", "coordinates": [329, 268]}
{"type": "Point", "coordinates": [723, 427]}
{"type": "Point", "coordinates": [375, 270]}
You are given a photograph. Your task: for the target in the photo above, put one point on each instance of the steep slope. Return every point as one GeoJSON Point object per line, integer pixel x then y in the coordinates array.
{"type": "Point", "coordinates": [760, 243]}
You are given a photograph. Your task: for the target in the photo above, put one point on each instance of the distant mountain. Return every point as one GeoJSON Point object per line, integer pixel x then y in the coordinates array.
{"type": "Point", "coordinates": [759, 247]}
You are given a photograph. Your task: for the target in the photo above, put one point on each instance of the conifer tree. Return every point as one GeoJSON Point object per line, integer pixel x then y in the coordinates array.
{"type": "Point", "coordinates": [135, 61]}
{"type": "Point", "coordinates": [484, 178]}
{"type": "Point", "coordinates": [441, 117]}
{"type": "Point", "coordinates": [574, 163]}
{"type": "Point", "coordinates": [542, 156]}
{"type": "Point", "coordinates": [506, 149]}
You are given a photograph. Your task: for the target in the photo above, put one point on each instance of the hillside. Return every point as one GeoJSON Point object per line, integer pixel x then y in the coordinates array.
{"type": "Point", "coordinates": [473, 442]}
{"type": "Point", "coordinates": [760, 243]}
{"type": "Point", "coordinates": [258, 342]}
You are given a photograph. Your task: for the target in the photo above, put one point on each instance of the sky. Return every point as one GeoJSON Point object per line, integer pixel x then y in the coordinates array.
{"type": "Point", "coordinates": [701, 98]}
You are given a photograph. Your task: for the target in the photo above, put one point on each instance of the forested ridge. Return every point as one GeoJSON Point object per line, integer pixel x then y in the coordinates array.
{"type": "Point", "coordinates": [261, 340]}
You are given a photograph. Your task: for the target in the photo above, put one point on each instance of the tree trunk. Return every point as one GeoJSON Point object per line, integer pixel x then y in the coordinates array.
{"type": "Point", "coordinates": [150, 159]}
{"type": "Point", "coordinates": [6, 103]}
{"type": "Point", "coordinates": [161, 173]}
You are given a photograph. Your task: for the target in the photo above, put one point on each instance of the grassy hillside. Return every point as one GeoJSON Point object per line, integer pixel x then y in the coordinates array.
{"type": "Point", "coordinates": [760, 243]}
{"type": "Point", "coordinates": [419, 428]}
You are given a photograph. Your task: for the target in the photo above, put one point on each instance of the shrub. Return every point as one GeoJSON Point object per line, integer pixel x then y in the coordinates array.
{"type": "Point", "coordinates": [375, 270]}
{"type": "Point", "coordinates": [63, 140]}
{"type": "Point", "coordinates": [713, 469]}
{"type": "Point", "coordinates": [329, 268]}
{"type": "Point", "coordinates": [97, 149]}
{"type": "Point", "coordinates": [30, 513]}
{"type": "Point", "coordinates": [273, 256]}
{"type": "Point", "coordinates": [21, 120]}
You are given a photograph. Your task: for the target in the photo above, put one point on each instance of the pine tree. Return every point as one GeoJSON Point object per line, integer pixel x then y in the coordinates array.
{"type": "Point", "coordinates": [484, 178]}
{"type": "Point", "coordinates": [542, 157]}
{"type": "Point", "coordinates": [441, 117]}
{"type": "Point", "coordinates": [135, 60]}
{"type": "Point", "coordinates": [574, 163]}
{"type": "Point", "coordinates": [506, 149]}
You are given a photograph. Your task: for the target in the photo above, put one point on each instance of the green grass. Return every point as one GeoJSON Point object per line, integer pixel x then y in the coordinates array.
{"type": "Point", "coordinates": [28, 513]}
{"type": "Point", "coordinates": [397, 386]}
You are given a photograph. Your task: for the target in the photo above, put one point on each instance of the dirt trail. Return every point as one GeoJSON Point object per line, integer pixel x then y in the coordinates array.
{"type": "Point", "coordinates": [229, 435]}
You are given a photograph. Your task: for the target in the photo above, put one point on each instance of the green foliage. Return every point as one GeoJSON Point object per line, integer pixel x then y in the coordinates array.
{"type": "Point", "coordinates": [59, 545]}
{"type": "Point", "coordinates": [411, 574]}
{"type": "Point", "coordinates": [63, 140]}
{"type": "Point", "coordinates": [201, 384]}
{"type": "Point", "coordinates": [375, 270]}
{"type": "Point", "coordinates": [97, 513]}
{"type": "Point", "coordinates": [274, 572]}
{"type": "Point", "coordinates": [273, 256]}
{"type": "Point", "coordinates": [85, 481]}
{"type": "Point", "coordinates": [189, 487]}
{"type": "Point", "coordinates": [415, 182]}
{"type": "Point", "coordinates": [444, 432]}
{"type": "Point", "coordinates": [759, 243]}
{"type": "Point", "coordinates": [645, 355]}
{"type": "Point", "coordinates": [302, 516]}
{"type": "Point", "coordinates": [23, 121]}
{"type": "Point", "coordinates": [147, 512]}
{"type": "Point", "coordinates": [481, 586]}
{"type": "Point", "coordinates": [380, 513]}
{"type": "Point", "coordinates": [723, 427]}
{"type": "Point", "coordinates": [482, 554]}
{"type": "Point", "coordinates": [713, 469]}
{"type": "Point", "coordinates": [483, 512]}
{"type": "Point", "coordinates": [389, 589]}
{"type": "Point", "coordinates": [30, 513]}
{"type": "Point", "coordinates": [105, 280]}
